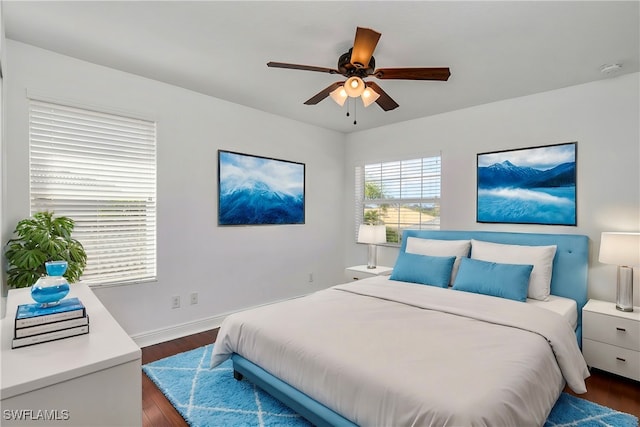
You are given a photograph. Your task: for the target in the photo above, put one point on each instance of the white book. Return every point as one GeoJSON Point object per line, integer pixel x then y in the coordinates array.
{"type": "Point", "coordinates": [49, 336]}
{"type": "Point", "coordinates": [50, 327]}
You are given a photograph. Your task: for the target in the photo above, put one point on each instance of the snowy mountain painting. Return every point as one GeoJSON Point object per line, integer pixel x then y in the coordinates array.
{"type": "Point", "coordinates": [528, 186]}
{"type": "Point", "coordinates": [257, 190]}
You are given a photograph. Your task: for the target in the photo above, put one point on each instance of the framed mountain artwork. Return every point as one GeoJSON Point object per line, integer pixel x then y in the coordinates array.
{"type": "Point", "coordinates": [255, 190]}
{"type": "Point", "coordinates": [534, 185]}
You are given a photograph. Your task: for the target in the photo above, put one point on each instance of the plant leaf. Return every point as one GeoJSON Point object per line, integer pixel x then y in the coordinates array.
{"type": "Point", "coordinates": [62, 226]}
{"type": "Point", "coordinates": [21, 278]}
{"type": "Point", "coordinates": [33, 258]}
{"type": "Point", "coordinates": [77, 253]}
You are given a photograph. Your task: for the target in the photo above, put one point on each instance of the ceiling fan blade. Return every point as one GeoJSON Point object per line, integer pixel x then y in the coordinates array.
{"type": "Point", "coordinates": [385, 101]}
{"type": "Point", "coordinates": [323, 93]}
{"type": "Point", "coordinates": [363, 46]}
{"type": "Point", "coordinates": [413, 73]}
{"type": "Point", "coordinates": [301, 67]}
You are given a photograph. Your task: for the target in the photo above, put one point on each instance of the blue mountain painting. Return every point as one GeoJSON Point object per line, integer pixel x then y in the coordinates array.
{"type": "Point", "coordinates": [510, 193]}
{"type": "Point", "coordinates": [259, 191]}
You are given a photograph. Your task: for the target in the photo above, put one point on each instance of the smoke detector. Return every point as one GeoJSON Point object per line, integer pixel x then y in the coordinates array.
{"type": "Point", "coordinates": [610, 68]}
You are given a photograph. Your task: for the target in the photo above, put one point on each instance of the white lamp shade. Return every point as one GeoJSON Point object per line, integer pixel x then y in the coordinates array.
{"type": "Point", "coordinates": [369, 96]}
{"type": "Point", "coordinates": [372, 234]}
{"type": "Point", "coordinates": [620, 249]}
{"type": "Point", "coordinates": [354, 86]}
{"type": "Point", "coordinates": [339, 95]}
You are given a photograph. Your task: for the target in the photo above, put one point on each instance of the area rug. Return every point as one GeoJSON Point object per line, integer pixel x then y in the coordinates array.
{"type": "Point", "coordinates": [212, 397]}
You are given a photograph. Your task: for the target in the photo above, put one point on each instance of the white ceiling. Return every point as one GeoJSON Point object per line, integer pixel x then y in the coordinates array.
{"type": "Point", "coordinates": [495, 50]}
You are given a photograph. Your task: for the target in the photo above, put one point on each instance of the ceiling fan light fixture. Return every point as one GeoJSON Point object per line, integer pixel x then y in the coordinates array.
{"type": "Point", "coordinates": [354, 86]}
{"type": "Point", "coordinates": [369, 96]}
{"type": "Point", "coordinates": [339, 95]}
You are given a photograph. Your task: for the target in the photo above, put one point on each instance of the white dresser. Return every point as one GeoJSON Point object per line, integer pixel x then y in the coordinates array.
{"type": "Point", "coordinates": [87, 380]}
{"type": "Point", "coordinates": [611, 338]}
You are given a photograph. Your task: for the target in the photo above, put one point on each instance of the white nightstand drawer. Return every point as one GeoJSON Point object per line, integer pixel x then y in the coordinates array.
{"type": "Point", "coordinates": [358, 272]}
{"type": "Point", "coordinates": [613, 330]}
{"type": "Point", "coordinates": [351, 275]}
{"type": "Point", "coordinates": [610, 358]}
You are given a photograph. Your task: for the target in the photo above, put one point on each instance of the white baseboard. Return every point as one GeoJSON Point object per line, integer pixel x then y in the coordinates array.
{"type": "Point", "coordinates": [157, 336]}
{"type": "Point", "coordinates": [146, 339]}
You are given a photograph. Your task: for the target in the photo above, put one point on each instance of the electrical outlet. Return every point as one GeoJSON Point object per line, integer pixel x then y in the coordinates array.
{"type": "Point", "coordinates": [193, 298]}
{"type": "Point", "coordinates": [175, 302]}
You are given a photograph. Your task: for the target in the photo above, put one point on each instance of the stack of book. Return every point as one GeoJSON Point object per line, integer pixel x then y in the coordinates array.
{"type": "Point", "coordinates": [36, 324]}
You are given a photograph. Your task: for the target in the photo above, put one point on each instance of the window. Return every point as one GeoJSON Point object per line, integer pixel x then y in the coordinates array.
{"type": "Point", "coordinates": [402, 195]}
{"type": "Point", "coordinates": [100, 170]}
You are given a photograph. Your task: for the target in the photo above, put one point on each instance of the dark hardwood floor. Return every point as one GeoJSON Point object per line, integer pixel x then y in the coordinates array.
{"type": "Point", "coordinates": [603, 388]}
{"type": "Point", "coordinates": [157, 411]}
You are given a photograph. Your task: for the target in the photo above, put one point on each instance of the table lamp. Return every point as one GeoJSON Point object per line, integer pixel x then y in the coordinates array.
{"type": "Point", "coordinates": [623, 250]}
{"type": "Point", "coordinates": [372, 234]}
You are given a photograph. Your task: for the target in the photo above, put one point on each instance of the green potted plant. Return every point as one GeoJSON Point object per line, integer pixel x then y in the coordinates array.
{"type": "Point", "coordinates": [43, 238]}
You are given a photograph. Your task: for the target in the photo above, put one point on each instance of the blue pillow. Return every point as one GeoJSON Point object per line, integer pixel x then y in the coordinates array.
{"type": "Point", "coordinates": [423, 269]}
{"type": "Point", "coordinates": [491, 278]}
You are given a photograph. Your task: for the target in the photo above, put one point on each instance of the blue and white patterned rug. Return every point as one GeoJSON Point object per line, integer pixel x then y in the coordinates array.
{"type": "Point", "coordinates": [212, 397]}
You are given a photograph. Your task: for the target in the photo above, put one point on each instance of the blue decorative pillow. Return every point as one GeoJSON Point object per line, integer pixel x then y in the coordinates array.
{"type": "Point", "coordinates": [490, 278]}
{"type": "Point", "coordinates": [423, 269]}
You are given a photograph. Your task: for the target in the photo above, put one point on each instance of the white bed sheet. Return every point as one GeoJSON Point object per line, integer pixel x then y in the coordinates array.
{"type": "Point", "coordinates": [565, 307]}
{"type": "Point", "coordinates": [379, 353]}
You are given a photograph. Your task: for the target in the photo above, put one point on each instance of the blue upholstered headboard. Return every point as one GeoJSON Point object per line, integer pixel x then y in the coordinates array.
{"type": "Point", "coordinates": [570, 265]}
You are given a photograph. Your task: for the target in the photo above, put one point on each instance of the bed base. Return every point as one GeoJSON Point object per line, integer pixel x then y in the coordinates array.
{"type": "Point", "coordinates": [316, 413]}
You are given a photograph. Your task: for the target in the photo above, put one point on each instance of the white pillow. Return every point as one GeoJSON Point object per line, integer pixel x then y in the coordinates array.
{"type": "Point", "coordinates": [541, 257]}
{"type": "Point", "coordinates": [430, 247]}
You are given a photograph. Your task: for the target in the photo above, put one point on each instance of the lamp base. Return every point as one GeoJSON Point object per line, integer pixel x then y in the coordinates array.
{"type": "Point", "coordinates": [371, 260]}
{"type": "Point", "coordinates": [624, 289]}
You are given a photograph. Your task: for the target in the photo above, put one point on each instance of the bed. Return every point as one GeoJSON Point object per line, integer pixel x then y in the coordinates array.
{"type": "Point", "coordinates": [391, 351]}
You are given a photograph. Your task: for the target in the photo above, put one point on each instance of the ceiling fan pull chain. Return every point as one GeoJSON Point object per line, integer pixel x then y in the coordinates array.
{"type": "Point", "coordinates": [355, 116]}
{"type": "Point", "coordinates": [348, 101]}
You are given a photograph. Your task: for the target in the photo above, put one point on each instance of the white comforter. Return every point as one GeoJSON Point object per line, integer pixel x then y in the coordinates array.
{"type": "Point", "coordinates": [387, 353]}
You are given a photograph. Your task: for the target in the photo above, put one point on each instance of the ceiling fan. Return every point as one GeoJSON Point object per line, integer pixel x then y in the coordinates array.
{"type": "Point", "coordinates": [356, 65]}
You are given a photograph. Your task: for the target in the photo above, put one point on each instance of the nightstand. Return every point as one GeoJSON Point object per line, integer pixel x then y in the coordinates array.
{"type": "Point", "coordinates": [611, 338]}
{"type": "Point", "coordinates": [358, 272]}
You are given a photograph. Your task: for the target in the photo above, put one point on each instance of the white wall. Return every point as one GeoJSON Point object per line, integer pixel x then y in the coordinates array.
{"type": "Point", "coordinates": [603, 117]}
{"type": "Point", "coordinates": [230, 268]}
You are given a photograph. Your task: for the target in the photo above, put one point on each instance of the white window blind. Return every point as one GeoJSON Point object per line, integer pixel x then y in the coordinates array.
{"type": "Point", "coordinates": [401, 194]}
{"type": "Point", "coordinates": [98, 169]}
